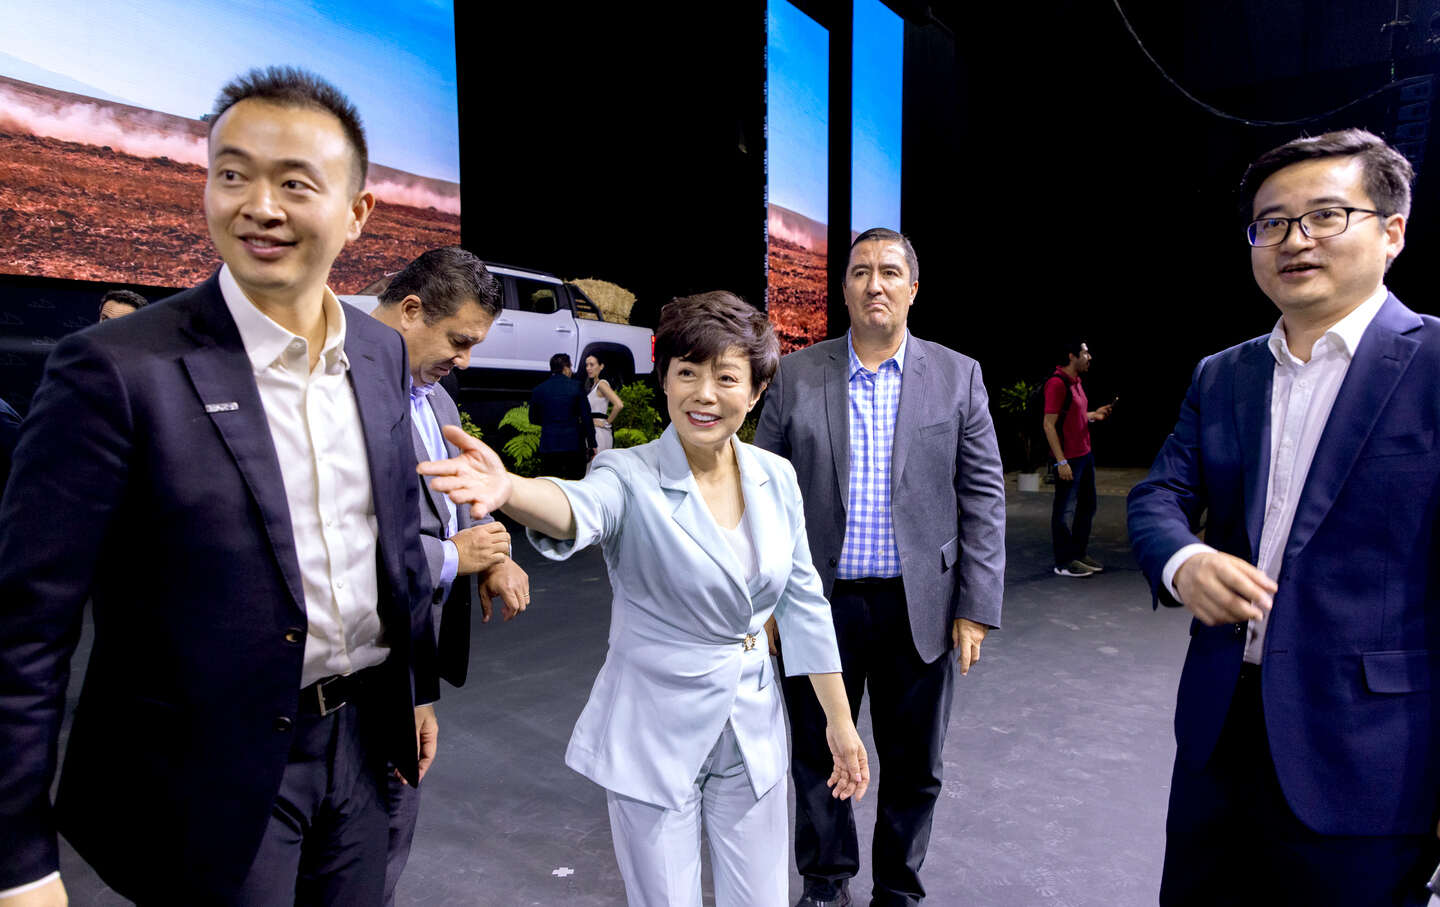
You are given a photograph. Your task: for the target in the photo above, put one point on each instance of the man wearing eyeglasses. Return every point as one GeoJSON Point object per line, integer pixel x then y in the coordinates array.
{"type": "Point", "coordinates": [1308, 738]}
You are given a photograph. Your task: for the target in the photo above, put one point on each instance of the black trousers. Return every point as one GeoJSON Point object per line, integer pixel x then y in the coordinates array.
{"type": "Point", "coordinates": [403, 803]}
{"type": "Point", "coordinates": [1232, 839]}
{"type": "Point", "coordinates": [326, 840]}
{"type": "Point", "coordinates": [910, 712]}
{"type": "Point", "coordinates": [1074, 511]}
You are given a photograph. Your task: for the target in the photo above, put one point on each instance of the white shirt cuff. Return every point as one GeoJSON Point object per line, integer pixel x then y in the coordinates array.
{"type": "Point", "coordinates": [11, 892]}
{"type": "Point", "coordinates": [1172, 566]}
{"type": "Point", "coordinates": [451, 565]}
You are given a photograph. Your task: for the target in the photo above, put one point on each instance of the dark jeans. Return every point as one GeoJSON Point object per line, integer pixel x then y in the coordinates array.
{"type": "Point", "coordinates": [325, 843]}
{"type": "Point", "coordinates": [1075, 500]}
{"type": "Point", "coordinates": [1232, 839]}
{"type": "Point", "coordinates": [909, 710]}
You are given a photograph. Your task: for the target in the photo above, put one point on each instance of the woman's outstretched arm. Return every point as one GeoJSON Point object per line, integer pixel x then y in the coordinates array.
{"type": "Point", "coordinates": [478, 477]}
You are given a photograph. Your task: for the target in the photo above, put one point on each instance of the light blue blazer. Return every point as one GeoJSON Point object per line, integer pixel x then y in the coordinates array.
{"type": "Point", "coordinates": [677, 668]}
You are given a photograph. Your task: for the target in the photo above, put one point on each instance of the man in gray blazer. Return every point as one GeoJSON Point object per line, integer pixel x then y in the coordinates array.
{"type": "Point", "coordinates": [892, 441]}
{"type": "Point", "coordinates": [443, 304]}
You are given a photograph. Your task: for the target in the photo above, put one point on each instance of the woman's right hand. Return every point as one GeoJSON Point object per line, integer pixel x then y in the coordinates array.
{"type": "Point", "coordinates": [851, 774]}
{"type": "Point", "coordinates": [476, 477]}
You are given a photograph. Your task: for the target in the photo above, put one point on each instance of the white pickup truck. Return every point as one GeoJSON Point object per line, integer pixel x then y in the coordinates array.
{"type": "Point", "coordinates": [542, 316]}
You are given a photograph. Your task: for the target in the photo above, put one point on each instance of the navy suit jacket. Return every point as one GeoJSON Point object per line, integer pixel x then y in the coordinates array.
{"type": "Point", "coordinates": [9, 431]}
{"type": "Point", "coordinates": [146, 479]}
{"type": "Point", "coordinates": [1353, 642]}
{"type": "Point", "coordinates": [559, 407]}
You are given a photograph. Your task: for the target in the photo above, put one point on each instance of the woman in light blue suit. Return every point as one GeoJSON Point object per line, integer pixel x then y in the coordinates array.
{"type": "Point", "coordinates": [704, 538]}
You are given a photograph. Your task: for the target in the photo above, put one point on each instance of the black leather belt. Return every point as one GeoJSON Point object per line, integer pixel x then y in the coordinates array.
{"type": "Point", "coordinates": [873, 581]}
{"type": "Point", "coordinates": [330, 694]}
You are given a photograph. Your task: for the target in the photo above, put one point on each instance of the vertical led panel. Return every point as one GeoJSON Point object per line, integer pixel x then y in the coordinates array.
{"type": "Point", "coordinates": [797, 172]}
{"type": "Point", "coordinates": [875, 122]}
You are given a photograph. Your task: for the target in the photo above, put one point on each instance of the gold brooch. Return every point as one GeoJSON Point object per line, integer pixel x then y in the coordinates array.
{"type": "Point", "coordinates": [749, 641]}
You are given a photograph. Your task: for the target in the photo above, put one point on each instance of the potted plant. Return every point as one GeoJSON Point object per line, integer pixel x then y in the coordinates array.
{"type": "Point", "coordinates": [1015, 401]}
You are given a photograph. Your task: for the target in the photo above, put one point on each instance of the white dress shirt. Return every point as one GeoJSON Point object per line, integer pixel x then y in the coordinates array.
{"type": "Point", "coordinates": [1300, 401]}
{"type": "Point", "coordinates": [315, 426]}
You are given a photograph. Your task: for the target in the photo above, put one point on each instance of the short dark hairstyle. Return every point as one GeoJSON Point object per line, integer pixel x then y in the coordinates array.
{"type": "Point", "coordinates": [124, 297]}
{"type": "Point", "coordinates": [444, 279]}
{"type": "Point", "coordinates": [289, 86]}
{"type": "Point", "coordinates": [1387, 174]}
{"type": "Point", "coordinates": [559, 363]}
{"type": "Point", "coordinates": [884, 234]}
{"type": "Point", "coordinates": [699, 328]}
{"type": "Point", "coordinates": [1067, 348]}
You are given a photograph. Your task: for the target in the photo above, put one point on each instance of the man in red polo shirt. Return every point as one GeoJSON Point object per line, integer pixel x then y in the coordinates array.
{"type": "Point", "coordinates": [1067, 428]}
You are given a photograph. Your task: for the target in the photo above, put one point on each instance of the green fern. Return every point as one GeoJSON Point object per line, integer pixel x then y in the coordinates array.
{"type": "Point", "coordinates": [469, 427]}
{"type": "Point", "coordinates": [639, 422]}
{"type": "Point", "coordinates": [521, 448]}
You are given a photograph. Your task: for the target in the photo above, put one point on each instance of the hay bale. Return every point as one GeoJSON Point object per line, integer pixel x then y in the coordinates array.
{"type": "Point", "coordinates": [614, 300]}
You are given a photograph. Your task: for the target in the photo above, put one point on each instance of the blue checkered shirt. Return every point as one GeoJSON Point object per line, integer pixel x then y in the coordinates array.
{"type": "Point", "coordinates": [869, 548]}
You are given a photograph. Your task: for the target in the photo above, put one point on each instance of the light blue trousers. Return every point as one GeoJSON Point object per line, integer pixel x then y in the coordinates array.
{"type": "Point", "coordinates": [659, 849]}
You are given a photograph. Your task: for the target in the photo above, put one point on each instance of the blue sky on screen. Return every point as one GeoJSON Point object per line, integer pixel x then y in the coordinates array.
{"type": "Point", "coordinates": [876, 117]}
{"type": "Point", "coordinates": [798, 114]}
{"type": "Point", "coordinates": [395, 60]}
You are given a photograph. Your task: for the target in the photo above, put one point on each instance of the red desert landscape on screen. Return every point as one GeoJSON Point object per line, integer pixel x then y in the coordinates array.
{"type": "Point", "coordinates": [95, 190]}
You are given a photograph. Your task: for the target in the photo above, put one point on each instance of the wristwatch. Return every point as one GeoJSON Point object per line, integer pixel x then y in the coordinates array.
{"type": "Point", "coordinates": [1062, 462]}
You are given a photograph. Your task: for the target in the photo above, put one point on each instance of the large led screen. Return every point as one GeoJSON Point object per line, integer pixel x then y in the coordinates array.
{"type": "Point", "coordinates": [797, 166]}
{"type": "Point", "coordinates": [877, 97]}
{"type": "Point", "coordinates": [103, 149]}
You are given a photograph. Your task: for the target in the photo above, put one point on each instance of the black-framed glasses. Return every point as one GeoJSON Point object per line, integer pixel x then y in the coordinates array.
{"type": "Point", "coordinates": [1317, 224]}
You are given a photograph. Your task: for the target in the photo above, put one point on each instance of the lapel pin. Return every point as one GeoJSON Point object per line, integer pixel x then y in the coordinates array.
{"type": "Point", "coordinates": [222, 407]}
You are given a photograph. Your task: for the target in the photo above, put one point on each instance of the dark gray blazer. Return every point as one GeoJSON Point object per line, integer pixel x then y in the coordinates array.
{"type": "Point", "coordinates": [451, 614]}
{"type": "Point", "coordinates": [947, 491]}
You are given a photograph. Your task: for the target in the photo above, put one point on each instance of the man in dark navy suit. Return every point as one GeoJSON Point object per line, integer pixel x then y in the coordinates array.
{"type": "Point", "coordinates": [567, 433]}
{"type": "Point", "coordinates": [9, 432]}
{"type": "Point", "coordinates": [230, 476]}
{"type": "Point", "coordinates": [1307, 768]}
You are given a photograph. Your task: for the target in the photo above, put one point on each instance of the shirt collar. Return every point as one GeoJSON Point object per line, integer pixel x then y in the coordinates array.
{"type": "Point", "coordinates": [266, 341]}
{"type": "Point", "coordinates": [1345, 334]}
{"type": "Point", "coordinates": [899, 357]}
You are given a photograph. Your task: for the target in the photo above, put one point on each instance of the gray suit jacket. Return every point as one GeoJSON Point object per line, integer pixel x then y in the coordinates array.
{"type": "Point", "coordinates": [947, 485]}
{"type": "Point", "coordinates": [454, 609]}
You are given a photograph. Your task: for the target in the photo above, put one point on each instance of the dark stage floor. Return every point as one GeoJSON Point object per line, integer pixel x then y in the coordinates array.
{"type": "Point", "coordinates": [1056, 772]}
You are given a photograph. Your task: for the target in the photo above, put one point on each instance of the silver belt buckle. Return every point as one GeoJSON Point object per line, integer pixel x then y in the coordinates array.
{"type": "Point", "coordinates": [325, 707]}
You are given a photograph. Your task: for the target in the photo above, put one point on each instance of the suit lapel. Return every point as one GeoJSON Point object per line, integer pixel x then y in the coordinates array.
{"type": "Point", "coordinates": [225, 383]}
{"type": "Point", "coordinates": [1381, 358]}
{"type": "Point", "coordinates": [377, 417]}
{"type": "Point", "coordinates": [1254, 377]}
{"type": "Point", "coordinates": [690, 511]}
{"type": "Point", "coordinates": [837, 413]}
{"type": "Point", "coordinates": [913, 393]}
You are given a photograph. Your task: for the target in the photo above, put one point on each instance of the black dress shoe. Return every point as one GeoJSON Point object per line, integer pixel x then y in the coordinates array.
{"type": "Point", "coordinates": [826, 894]}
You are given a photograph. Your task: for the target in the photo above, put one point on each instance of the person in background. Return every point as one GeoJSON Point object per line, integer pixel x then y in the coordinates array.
{"type": "Point", "coordinates": [891, 439]}
{"type": "Point", "coordinates": [119, 303]}
{"type": "Point", "coordinates": [1067, 430]}
{"type": "Point", "coordinates": [443, 304]}
{"type": "Point", "coordinates": [605, 404]}
{"type": "Point", "coordinates": [567, 432]}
